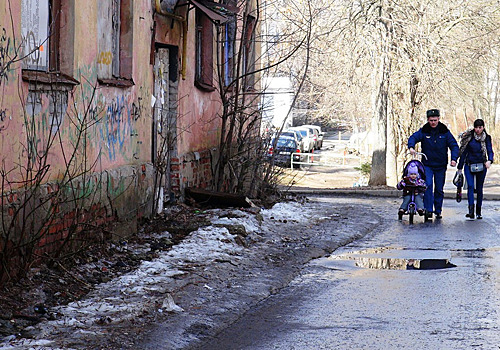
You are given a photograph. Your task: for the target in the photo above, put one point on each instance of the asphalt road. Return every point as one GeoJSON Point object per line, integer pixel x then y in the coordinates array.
{"type": "Point", "coordinates": [335, 304]}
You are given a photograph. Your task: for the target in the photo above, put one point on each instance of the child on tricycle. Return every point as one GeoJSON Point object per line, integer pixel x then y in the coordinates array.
{"type": "Point", "coordinates": [413, 187]}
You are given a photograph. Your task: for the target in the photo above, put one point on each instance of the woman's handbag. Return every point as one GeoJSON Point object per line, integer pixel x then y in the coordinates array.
{"type": "Point", "coordinates": [458, 181]}
{"type": "Point", "coordinates": [476, 167]}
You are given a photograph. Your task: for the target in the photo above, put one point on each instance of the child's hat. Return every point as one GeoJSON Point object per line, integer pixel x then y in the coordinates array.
{"type": "Point", "coordinates": [412, 169]}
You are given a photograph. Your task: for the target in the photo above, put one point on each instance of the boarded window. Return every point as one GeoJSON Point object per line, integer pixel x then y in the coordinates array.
{"type": "Point", "coordinates": [108, 60]}
{"type": "Point", "coordinates": [47, 49]}
{"type": "Point", "coordinates": [114, 60]}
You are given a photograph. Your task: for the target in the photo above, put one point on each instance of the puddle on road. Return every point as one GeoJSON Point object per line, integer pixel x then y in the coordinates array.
{"type": "Point", "coordinates": [390, 259]}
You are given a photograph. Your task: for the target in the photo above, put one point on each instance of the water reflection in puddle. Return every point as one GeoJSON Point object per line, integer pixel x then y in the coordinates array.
{"type": "Point", "coordinates": [390, 259]}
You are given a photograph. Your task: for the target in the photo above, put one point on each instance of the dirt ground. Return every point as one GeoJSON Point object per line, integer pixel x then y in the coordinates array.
{"type": "Point", "coordinates": [326, 178]}
{"type": "Point", "coordinates": [321, 177]}
{"type": "Point", "coordinates": [26, 302]}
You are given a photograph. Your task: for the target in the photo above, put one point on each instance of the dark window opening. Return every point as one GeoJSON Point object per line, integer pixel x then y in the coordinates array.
{"type": "Point", "coordinates": [249, 52]}
{"type": "Point", "coordinates": [204, 52]}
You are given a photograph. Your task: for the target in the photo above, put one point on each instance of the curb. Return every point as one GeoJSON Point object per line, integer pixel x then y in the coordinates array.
{"type": "Point", "coordinates": [359, 192]}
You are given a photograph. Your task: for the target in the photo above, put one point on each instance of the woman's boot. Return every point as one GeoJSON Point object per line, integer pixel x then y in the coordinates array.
{"type": "Point", "coordinates": [471, 212]}
{"type": "Point", "coordinates": [478, 212]}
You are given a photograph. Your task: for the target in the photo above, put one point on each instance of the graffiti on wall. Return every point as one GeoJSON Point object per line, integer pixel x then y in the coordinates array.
{"type": "Point", "coordinates": [5, 55]}
{"type": "Point", "coordinates": [87, 76]}
{"type": "Point", "coordinates": [105, 57]}
{"type": "Point", "coordinates": [112, 118]}
{"type": "Point", "coordinates": [116, 125]}
{"type": "Point", "coordinates": [119, 123]}
{"type": "Point", "coordinates": [116, 116]}
{"type": "Point", "coordinates": [43, 123]}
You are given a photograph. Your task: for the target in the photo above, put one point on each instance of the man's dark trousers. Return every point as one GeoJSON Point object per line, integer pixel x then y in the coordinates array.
{"type": "Point", "coordinates": [434, 194]}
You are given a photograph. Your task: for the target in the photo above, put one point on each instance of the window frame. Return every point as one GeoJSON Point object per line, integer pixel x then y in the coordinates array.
{"type": "Point", "coordinates": [249, 52]}
{"type": "Point", "coordinates": [121, 46]}
{"type": "Point", "coordinates": [54, 71]}
{"type": "Point", "coordinates": [204, 54]}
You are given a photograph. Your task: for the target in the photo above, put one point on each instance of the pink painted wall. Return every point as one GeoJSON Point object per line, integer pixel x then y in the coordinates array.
{"type": "Point", "coordinates": [198, 110]}
{"type": "Point", "coordinates": [121, 134]}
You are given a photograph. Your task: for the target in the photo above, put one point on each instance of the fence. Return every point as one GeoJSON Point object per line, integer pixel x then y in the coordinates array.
{"type": "Point", "coordinates": [328, 160]}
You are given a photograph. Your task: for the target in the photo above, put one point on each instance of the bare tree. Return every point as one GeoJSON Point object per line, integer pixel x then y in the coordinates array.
{"type": "Point", "coordinates": [390, 61]}
{"type": "Point", "coordinates": [240, 167]}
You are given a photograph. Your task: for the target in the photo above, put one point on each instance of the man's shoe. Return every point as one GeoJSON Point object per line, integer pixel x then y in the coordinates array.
{"type": "Point", "coordinates": [439, 216]}
{"type": "Point", "coordinates": [421, 212]}
{"type": "Point", "coordinates": [428, 216]}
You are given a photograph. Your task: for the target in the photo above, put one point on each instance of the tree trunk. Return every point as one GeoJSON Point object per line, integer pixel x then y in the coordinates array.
{"type": "Point", "coordinates": [378, 175]}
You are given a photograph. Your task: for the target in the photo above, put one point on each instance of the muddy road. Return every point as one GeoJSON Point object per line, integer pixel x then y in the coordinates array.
{"type": "Point", "coordinates": [429, 285]}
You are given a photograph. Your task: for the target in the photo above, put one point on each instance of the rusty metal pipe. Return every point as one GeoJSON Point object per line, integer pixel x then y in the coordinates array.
{"type": "Point", "coordinates": [167, 14]}
{"type": "Point", "coordinates": [184, 34]}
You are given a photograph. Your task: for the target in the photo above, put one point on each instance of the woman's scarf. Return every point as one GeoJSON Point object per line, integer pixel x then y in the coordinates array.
{"type": "Point", "coordinates": [467, 136]}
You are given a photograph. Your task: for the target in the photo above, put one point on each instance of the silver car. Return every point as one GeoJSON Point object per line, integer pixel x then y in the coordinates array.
{"type": "Point", "coordinates": [320, 134]}
{"type": "Point", "coordinates": [307, 136]}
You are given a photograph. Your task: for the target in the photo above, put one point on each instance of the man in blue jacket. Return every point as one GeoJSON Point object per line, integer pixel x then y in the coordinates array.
{"type": "Point", "coordinates": [435, 139]}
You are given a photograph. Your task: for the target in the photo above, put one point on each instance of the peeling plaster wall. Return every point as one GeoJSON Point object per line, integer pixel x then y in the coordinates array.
{"type": "Point", "coordinates": [119, 134]}
{"type": "Point", "coordinates": [116, 147]}
{"type": "Point", "coordinates": [198, 121]}
{"type": "Point", "coordinates": [198, 110]}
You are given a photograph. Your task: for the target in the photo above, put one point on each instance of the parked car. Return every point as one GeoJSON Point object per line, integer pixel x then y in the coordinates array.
{"type": "Point", "coordinates": [297, 136]}
{"type": "Point", "coordinates": [282, 150]}
{"type": "Point", "coordinates": [308, 137]}
{"type": "Point", "coordinates": [314, 133]}
{"type": "Point", "coordinates": [319, 142]}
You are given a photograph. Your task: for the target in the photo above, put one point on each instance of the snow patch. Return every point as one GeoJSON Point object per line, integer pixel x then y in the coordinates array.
{"type": "Point", "coordinates": [129, 296]}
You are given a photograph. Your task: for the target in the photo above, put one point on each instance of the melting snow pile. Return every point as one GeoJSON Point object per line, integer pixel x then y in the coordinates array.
{"type": "Point", "coordinates": [128, 296]}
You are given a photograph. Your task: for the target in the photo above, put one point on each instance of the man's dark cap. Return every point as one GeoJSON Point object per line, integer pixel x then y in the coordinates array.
{"type": "Point", "coordinates": [433, 113]}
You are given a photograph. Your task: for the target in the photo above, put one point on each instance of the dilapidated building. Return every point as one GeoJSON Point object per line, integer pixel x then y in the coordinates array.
{"type": "Point", "coordinates": [110, 108]}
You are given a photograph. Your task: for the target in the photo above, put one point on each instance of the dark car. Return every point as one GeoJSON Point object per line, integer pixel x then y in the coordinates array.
{"type": "Point", "coordinates": [283, 149]}
{"type": "Point", "coordinates": [297, 136]}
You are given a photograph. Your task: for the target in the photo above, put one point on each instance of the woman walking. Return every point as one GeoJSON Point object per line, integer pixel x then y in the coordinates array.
{"type": "Point", "coordinates": [476, 156]}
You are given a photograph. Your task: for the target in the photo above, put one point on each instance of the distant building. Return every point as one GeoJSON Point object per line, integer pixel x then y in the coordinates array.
{"type": "Point", "coordinates": [277, 102]}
